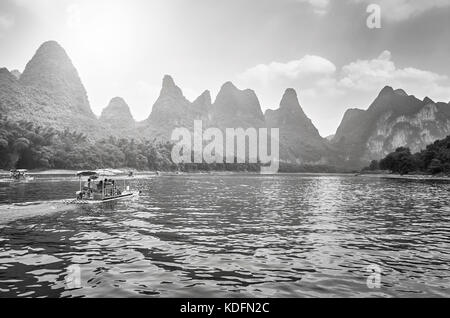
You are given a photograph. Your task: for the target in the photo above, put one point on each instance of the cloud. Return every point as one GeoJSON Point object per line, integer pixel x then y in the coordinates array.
{"type": "Point", "coordinates": [367, 75]}
{"type": "Point", "coordinates": [326, 92]}
{"type": "Point", "coordinates": [94, 14]}
{"type": "Point", "coordinates": [306, 67]}
{"type": "Point", "coordinates": [74, 14]}
{"type": "Point", "coordinates": [319, 6]}
{"type": "Point", "coordinates": [6, 21]}
{"type": "Point", "coordinates": [400, 10]}
{"type": "Point", "coordinates": [318, 76]}
{"type": "Point", "coordinates": [41, 8]}
{"type": "Point", "coordinates": [392, 10]}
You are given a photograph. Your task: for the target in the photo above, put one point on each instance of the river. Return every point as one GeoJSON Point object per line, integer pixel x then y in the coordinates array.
{"type": "Point", "coordinates": [231, 236]}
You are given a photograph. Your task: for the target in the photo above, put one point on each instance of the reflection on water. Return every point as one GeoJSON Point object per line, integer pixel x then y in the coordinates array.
{"type": "Point", "coordinates": [234, 236]}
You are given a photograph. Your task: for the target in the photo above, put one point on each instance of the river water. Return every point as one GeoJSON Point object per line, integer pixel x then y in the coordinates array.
{"type": "Point", "coordinates": [232, 236]}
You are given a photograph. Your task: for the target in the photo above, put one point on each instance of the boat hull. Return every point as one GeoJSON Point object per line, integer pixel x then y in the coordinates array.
{"type": "Point", "coordinates": [123, 196]}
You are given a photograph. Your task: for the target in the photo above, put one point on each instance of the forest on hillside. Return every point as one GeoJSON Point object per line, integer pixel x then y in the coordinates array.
{"type": "Point", "coordinates": [435, 159]}
{"type": "Point", "coordinates": [27, 146]}
{"type": "Point", "coordinates": [24, 145]}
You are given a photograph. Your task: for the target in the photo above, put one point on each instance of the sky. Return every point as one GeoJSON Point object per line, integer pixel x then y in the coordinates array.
{"type": "Point", "coordinates": [322, 48]}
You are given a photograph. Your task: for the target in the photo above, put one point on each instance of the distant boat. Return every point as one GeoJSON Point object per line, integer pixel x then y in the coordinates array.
{"type": "Point", "coordinates": [20, 175]}
{"type": "Point", "coordinates": [108, 172]}
{"type": "Point", "coordinates": [99, 190]}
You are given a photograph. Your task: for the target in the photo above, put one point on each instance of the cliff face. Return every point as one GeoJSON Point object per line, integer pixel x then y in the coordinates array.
{"type": "Point", "coordinates": [202, 108]}
{"type": "Point", "coordinates": [235, 108]}
{"type": "Point", "coordinates": [232, 108]}
{"type": "Point", "coordinates": [51, 71]}
{"type": "Point", "coordinates": [117, 118]}
{"type": "Point", "coordinates": [117, 113]}
{"type": "Point", "coordinates": [417, 130]}
{"type": "Point", "coordinates": [49, 93]}
{"type": "Point", "coordinates": [171, 110]}
{"type": "Point", "coordinates": [16, 74]}
{"type": "Point", "coordinates": [394, 120]}
{"type": "Point", "coordinates": [300, 141]}
{"type": "Point", "coordinates": [13, 98]}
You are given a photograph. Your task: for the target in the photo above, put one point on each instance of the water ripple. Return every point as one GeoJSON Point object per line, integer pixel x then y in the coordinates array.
{"type": "Point", "coordinates": [234, 236]}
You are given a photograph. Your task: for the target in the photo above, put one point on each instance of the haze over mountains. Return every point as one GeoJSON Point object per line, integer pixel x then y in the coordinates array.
{"type": "Point", "coordinates": [50, 93]}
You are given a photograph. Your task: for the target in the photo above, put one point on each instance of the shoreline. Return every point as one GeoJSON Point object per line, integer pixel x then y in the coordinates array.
{"type": "Point", "coordinates": [406, 177]}
{"type": "Point", "coordinates": [72, 173]}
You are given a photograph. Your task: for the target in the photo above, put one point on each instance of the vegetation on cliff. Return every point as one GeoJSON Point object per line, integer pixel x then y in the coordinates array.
{"type": "Point", "coordinates": [28, 146]}
{"type": "Point", "coordinates": [435, 159]}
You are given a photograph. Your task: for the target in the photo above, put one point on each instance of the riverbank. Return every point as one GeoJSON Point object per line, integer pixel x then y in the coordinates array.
{"type": "Point", "coordinates": [124, 174]}
{"type": "Point", "coordinates": [407, 177]}
{"type": "Point", "coordinates": [72, 173]}
{"type": "Point", "coordinates": [382, 174]}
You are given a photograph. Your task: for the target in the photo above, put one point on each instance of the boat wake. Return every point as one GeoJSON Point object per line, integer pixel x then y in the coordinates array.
{"type": "Point", "coordinates": [16, 211]}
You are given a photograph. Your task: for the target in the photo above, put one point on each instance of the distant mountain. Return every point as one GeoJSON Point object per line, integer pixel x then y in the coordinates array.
{"type": "Point", "coordinates": [16, 74]}
{"type": "Point", "coordinates": [202, 107]}
{"type": "Point", "coordinates": [52, 71]}
{"type": "Point", "coordinates": [170, 111]}
{"type": "Point", "coordinates": [49, 93]}
{"type": "Point", "coordinates": [300, 141]}
{"type": "Point", "coordinates": [395, 119]}
{"type": "Point", "coordinates": [232, 108]}
{"type": "Point", "coordinates": [118, 119]}
{"type": "Point", "coordinates": [235, 108]}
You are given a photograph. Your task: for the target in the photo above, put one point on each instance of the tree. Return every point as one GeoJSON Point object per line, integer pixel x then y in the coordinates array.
{"type": "Point", "coordinates": [434, 159]}
{"type": "Point", "coordinates": [374, 165]}
{"type": "Point", "coordinates": [401, 161]}
{"type": "Point", "coordinates": [436, 166]}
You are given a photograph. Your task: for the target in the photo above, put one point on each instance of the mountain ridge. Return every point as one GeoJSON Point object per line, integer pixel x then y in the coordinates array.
{"type": "Point", "coordinates": [300, 141]}
{"type": "Point", "coordinates": [50, 92]}
{"type": "Point", "coordinates": [395, 119]}
{"type": "Point", "coordinates": [117, 115]}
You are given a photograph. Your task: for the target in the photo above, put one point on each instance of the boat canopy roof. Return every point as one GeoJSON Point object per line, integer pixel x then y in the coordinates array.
{"type": "Point", "coordinates": [87, 173]}
{"type": "Point", "coordinates": [108, 172]}
{"type": "Point", "coordinates": [19, 170]}
{"type": "Point", "coordinates": [98, 172]}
